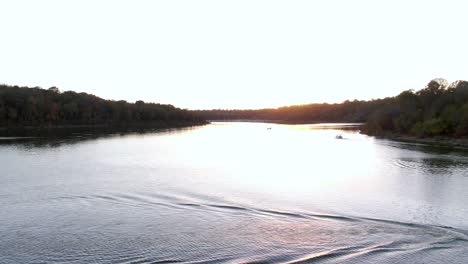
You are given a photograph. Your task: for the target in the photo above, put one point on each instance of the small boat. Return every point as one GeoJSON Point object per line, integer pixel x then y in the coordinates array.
{"type": "Point", "coordinates": [339, 137]}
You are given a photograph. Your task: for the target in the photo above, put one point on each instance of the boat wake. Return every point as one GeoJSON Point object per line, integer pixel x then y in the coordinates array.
{"type": "Point", "coordinates": [185, 229]}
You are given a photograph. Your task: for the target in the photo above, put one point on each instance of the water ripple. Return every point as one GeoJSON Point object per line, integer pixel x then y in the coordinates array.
{"type": "Point", "coordinates": [281, 236]}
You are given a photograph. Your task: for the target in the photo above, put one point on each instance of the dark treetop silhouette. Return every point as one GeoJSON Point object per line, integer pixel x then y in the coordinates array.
{"type": "Point", "coordinates": [36, 107]}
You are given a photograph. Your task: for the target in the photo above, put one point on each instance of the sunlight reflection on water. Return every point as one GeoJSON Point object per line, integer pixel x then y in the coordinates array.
{"type": "Point", "coordinates": [233, 192]}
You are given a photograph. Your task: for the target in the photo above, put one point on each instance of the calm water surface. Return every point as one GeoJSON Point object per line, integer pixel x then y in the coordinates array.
{"type": "Point", "coordinates": [234, 193]}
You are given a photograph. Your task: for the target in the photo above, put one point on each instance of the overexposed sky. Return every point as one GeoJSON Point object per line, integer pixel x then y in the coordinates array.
{"type": "Point", "coordinates": [233, 54]}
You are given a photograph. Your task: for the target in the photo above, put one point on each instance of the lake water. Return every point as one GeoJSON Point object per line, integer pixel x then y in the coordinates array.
{"type": "Point", "coordinates": [233, 193]}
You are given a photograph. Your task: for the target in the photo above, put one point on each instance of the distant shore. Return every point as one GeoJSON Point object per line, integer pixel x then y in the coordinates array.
{"type": "Point", "coordinates": [285, 122]}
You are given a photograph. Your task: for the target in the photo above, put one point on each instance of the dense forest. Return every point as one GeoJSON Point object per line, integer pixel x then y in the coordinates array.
{"type": "Point", "coordinates": [439, 109]}
{"type": "Point", "coordinates": [36, 107]}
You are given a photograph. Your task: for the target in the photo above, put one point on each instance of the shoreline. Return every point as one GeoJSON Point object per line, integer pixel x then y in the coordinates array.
{"type": "Point", "coordinates": [26, 130]}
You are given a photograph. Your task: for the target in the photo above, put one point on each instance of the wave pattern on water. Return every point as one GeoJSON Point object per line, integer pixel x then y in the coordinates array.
{"type": "Point", "coordinates": [374, 239]}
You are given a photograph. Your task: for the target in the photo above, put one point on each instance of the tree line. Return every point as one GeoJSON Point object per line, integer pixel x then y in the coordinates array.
{"type": "Point", "coordinates": [439, 109]}
{"type": "Point", "coordinates": [23, 106]}
{"type": "Point", "coordinates": [348, 111]}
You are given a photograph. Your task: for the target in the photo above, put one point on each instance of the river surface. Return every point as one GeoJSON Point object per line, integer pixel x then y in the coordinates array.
{"type": "Point", "coordinates": [232, 193]}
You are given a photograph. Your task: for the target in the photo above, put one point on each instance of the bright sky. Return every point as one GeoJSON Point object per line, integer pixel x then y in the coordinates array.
{"type": "Point", "coordinates": [233, 54]}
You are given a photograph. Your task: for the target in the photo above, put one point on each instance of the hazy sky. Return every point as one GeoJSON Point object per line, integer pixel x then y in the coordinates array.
{"type": "Point", "coordinates": [233, 54]}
